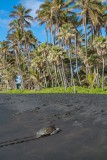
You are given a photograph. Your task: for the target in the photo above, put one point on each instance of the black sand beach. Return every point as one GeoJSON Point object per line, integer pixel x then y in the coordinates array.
{"type": "Point", "coordinates": [82, 118]}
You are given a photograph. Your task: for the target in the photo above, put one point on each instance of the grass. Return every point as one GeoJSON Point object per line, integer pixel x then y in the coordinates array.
{"type": "Point", "coordinates": [83, 90]}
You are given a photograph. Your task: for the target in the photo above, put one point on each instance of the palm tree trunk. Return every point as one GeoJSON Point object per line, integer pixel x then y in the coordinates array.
{"type": "Point", "coordinates": [72, 75]}
{"type": "Point", "coordinates": [61, 76]}
{"type": "Point", "coordinates": [51, 29]}
{"type": "Point", "coordinates": [48, 67]}
{"type": "Point", "coordinates": [77, 59]}
{"type": "Point", "coordinates": [85, 33]}
{"type": "Point", "coordinates": [71, 70]}
{"type": "Point", "coordinates": [45, 81]}
{"type": "Point", "coordinates": [19, 48]}
{"type": "Point", "coordinates": [103, 67]}
{"type": "Point", "coordinates": [98, 79]}
{"type": "Point", "coordinates": [56, 75]}
{"type": "Point", "coordinates": [64, 76]}
{"type": "Point", "coordinates": [46, 35]}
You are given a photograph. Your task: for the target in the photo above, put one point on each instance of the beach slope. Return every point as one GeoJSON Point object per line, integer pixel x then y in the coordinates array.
{"type": "Point", "coordinates": [82, 119]}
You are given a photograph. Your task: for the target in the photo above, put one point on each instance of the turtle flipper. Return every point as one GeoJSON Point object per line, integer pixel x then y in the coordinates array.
{"type": "Point", "coordinates": [38, 136]}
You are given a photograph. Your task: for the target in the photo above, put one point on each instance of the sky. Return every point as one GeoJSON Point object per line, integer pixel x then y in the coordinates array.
{"type": "Point", "coordinates": [6, 6]}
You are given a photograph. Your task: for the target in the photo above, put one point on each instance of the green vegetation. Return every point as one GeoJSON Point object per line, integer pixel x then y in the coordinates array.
{"type": "Point", "coordinates": [75, 53]}
{"type": "Point", "coordinates": [59, 90]}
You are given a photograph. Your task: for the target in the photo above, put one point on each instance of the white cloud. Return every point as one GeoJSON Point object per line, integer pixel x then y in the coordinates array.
{"type": "Point", "coordinates": [32, 4]}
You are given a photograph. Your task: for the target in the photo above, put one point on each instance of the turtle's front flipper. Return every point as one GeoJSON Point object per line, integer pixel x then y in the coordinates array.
{"type": "Point", "coordinates": [55, 131]}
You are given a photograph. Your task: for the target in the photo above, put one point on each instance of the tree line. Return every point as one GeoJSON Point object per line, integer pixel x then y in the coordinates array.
{"type": "Point", "coordinates": [74, 52]}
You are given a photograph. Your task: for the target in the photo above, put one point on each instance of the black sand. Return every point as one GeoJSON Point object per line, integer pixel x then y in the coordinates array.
{"type": "Point", "coordinates": [82, 118]}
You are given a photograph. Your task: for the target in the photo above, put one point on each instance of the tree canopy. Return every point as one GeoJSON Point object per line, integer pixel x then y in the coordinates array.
{"type": "Point", "coordinates": [75, 52]}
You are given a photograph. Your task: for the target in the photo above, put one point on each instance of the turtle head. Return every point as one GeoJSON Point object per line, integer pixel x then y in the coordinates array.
{"type": "Point", "coordinates": [58, 129]}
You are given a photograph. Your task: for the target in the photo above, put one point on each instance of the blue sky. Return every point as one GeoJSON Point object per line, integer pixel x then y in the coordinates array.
{"type": "Point", "coordinates": [6, 6]}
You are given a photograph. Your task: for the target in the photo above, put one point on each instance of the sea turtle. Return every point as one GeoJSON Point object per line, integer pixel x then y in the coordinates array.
{"type": "Point", "coordinates": [50, 130]}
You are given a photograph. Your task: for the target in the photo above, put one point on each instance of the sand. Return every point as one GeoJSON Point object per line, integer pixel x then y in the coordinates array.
{"type": "Point", "coordinates": [82, 118]}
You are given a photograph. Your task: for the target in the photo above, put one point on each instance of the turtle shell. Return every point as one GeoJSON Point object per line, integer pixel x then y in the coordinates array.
{"type": "Point", "coordinates": [45, 131]}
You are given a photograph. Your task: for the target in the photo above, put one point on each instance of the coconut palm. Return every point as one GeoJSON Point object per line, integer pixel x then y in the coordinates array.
{"type": "Point", "coordinates": [3, 51]}
{"type": "Point", "coordinates": [91, 13]}
{"type": "Point", "coordinates": [43, 15]}
{"type": "Point", "coordinates": [22, 16]}
{"type": "Point", "coordinates": [38, 68]}
{"type": "Point", "coordinates": [68, 37]}
{"type": "Point", "coordinates": [15, 44]}
{"type": "Point", "coordinates": [29, 42]}
{"type": "Point", "coordinates": [65, 37]}
{"type": "Point", "coordinates": [53, 14]}
{"type": "Point", "coordinates": [44, 50]}
{"type": "Point", "coordinates": [14, 25]}
{"type": "Point", "coordinates": [100, 44]}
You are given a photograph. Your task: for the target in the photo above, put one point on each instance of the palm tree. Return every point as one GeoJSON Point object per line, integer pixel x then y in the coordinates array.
{"type": "Point", "coordinates": [53, 14]}
{"type": "Point", "coordinates": [4, 50]}
{"type": "Point", "coordinates": [68, 37]}
{"type": "Point", "coordinates": [43, 15]}
{"type": "Point", "coordinates": [60, 13]}
{"type": "Point", "coordinates": [65, 36]}
{"type": "Point", "coordinates": [38, 68]}
{"type": "Point", "coordinates": [100, 44]}
{"type": "Point", "coordinates": [29, 42]}
{"type": "Point", "coordinates": [56, 58]}
{"type": "Point", "coordinates": [91, 13]}
{"type": "Point", "coordinates": [14, 25]}
{"type": "Point", "coordinates": [15, 44]}
{"type": "Point", "coordinates": [22, 16]}
{"type": "Point", "coordinates": [44, 50]}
